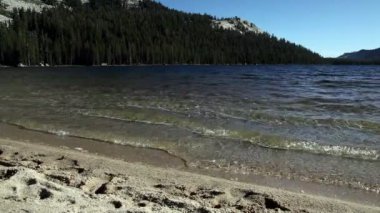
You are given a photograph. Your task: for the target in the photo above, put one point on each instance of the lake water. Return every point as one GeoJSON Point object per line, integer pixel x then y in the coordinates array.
{"type": "Point", "coordinates": [310, 123]}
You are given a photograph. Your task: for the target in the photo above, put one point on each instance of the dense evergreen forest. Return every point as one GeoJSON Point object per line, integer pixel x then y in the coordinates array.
{"type": "Point", "coordinates": [107, 31]}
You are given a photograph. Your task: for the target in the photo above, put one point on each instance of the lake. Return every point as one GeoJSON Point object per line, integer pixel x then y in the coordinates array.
{"type": "Point", "coordinates": [311, 123]}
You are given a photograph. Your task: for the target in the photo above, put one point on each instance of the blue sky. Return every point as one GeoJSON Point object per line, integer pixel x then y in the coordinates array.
{"type": "Point", "coordinates": [328, 27]}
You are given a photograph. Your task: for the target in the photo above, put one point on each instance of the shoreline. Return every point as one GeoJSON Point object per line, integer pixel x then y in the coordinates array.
{"type": "Point", "coordinates": [132, 154]}
{"type": "Point", "coordinates": [165, 160]}
{"type": "Point", "coordinates": [158, 65]}
{"type": "Point", "coordinates": [35, 175]}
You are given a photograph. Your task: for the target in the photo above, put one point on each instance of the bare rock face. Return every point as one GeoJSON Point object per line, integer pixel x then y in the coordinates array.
{"type": "Point", "coordinates": [4, 18]}
{"type": "Point", "coordinates": [38, 5]}
{"type": "Point", "coordinates": [132, 3]}
{"type": "Point", "coordinates": [32, 5]}
{"type": "Point", "coordinates": [236, 24]}
{"type": "Point", "coordinates": [10, 5]}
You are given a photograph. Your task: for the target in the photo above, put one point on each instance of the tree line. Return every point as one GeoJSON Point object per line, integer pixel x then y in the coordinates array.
{"type": "Point", "coordinates": [107, 31]}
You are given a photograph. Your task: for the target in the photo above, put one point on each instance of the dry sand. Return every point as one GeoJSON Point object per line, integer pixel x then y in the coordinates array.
{"type": "Point", "coordinates": [37, 178]}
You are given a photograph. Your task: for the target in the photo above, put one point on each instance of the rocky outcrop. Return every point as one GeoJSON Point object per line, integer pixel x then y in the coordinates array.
{"type": "Point", "coordinates": [236, 24]}
{"type": "Point", "coordinates": [38, 5]}
{"type": "Point", "coordinates": [4, 18]}
{"type": "Point", "coordinates": [10, 5]}
{"type": "Point", "coordinates": [133, 3]}
{"type": "Point", "coordinates": [32, 5]}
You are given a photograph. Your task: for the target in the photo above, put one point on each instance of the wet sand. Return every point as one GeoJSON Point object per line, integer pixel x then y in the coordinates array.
{"type": "Point", "coordinates": [37, 178]}
{"type": "Point", "coordinates": [163, 159]}
{"type": "Point", "coordinates": [154, 157]}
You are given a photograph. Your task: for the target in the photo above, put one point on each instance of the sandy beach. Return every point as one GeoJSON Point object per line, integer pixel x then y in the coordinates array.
{"type": "Point", "coordinates": [39, 178]}
{"type": "Point", "coordinates": [141, 106]}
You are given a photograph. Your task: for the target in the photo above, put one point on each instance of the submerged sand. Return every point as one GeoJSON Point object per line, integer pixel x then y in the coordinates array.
{"type": "Point", "coordinates": [38, 178]}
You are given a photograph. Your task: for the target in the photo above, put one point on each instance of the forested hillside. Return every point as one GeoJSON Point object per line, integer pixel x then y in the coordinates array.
{"type": "Point", "coordinates": [106, 31]}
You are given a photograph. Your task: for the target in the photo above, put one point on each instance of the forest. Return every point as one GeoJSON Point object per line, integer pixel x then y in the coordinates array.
{"type": "Point", "coordinates": [110, 32]}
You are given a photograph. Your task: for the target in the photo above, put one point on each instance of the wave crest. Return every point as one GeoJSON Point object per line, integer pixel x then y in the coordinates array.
{"type": "Point", "coordinates": [345, 151]}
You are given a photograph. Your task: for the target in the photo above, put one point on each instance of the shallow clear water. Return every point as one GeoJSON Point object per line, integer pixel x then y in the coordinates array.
{"type": "Point", "coordinates": [314, 123]}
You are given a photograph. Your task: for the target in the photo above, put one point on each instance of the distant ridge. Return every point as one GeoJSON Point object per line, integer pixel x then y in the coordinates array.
{"type": "Point", "coordinates": [363, 55]}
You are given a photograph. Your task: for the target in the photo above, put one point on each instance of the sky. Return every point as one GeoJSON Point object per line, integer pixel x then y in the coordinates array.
{"type": "Point", "coordinates": [328, 27]}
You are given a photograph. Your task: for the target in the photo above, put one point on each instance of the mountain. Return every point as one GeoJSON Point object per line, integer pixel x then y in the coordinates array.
{"type": "Point", "coordinates": [363, 55]}
{"type": "Point", "coordinates": [93, 32]}
{"type": "Point", "coordinates": [235, 24]}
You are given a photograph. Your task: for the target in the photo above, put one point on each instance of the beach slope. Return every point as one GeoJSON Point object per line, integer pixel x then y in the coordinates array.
{"type": "Point", "coordinates": [37, 178]}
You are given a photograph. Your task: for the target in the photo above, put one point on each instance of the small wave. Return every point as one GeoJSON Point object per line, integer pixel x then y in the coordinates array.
{"type": "Point", "coordinates": [195, 129]}
{"type": "Point", "coordinates": [211, 132]}
{"type": "Point", "coordinates": [129, 120]}
{"type": "Point", "coordinates": [264, 140]}
{"type": "Point", "coordinates": [59, 132]}
{"type": "Point", "coordinates": [257, 138]}
{"type": "Point", "coordinates": [347, 83]}
{"type": "Point", "coordinates": [271, 118]}
{"type": "Point", "coordinates": [335, 122]}
{"type": "Point", "coordinates": [277, 142]}
{"type": "Point", "coordinates": [345, 151]}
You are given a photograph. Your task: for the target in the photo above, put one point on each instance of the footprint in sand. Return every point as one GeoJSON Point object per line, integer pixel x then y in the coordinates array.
{"type": "Point", "coordinates": [7, 173]}
{"type": "Point", "coordinates": [45, 194]}
{"type": "Point", "coordinates": [258, 199]}
{"type": "Point", "coordinates": [117, 204]}
{"type": "Point", "coordinates": [31, 181]}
